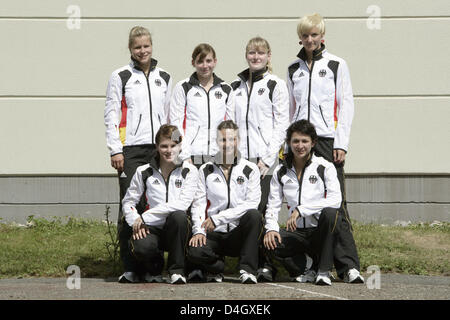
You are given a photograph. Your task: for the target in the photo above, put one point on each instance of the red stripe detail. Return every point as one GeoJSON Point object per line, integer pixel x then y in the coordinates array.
{"type": "Point", "coordinates": [124, 108]}
{"type": "Point", "coordinates": [148, 205]}
{"type": "Point", "coordinates": [184, 120]}
{"type": "Point", "coordinates": [208, 204]}
{"type": "Point", "coordinates": [335, 107]}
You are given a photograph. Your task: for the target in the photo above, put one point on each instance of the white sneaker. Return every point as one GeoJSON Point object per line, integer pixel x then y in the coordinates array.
{"type": "Point", "coordinates": [214, 278]}
{"type": "Point", "coordinates": [323, 279]}
{"type": "Point", "coordinates": [247, 278]}
{"type": "Point", "coordinates": [151, 279]}
{"type": "Point", "coordinates": [195, 276]}
{"type": "Point", "coordinates": [309, 277]}
{"type": "Point", "coordinates": [353, 276]}
{"type": "Point", "coordinates": [177, 279]}
{"type": "Point", "coordinates": [129, 277]}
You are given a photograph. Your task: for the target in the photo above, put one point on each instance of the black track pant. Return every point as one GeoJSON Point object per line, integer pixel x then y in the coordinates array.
{"type": "Point", "coordinates": [172, 237]}
{"type": "Point", "coordinates": [345, 252]}
{"type": "Point", "coordinates": [316, 242]}
{"type": "Point", "coordinates": [241, 242]}
{"type": "Point", "coordinates": [134, 156]}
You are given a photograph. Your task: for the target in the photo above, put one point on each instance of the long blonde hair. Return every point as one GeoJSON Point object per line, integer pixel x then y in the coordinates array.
{"type": "Point", "coordinates": [259, 43]}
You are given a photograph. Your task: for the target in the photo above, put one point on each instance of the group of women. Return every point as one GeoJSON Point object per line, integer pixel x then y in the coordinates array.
{"type": "Point", "coordinates": [198, 166]}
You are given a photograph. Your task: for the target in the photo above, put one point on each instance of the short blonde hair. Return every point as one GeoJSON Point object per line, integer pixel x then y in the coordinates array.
{"type": "Point", "coordinates": [137, 32]}
{"type": "Point", "coordinates": [310, 21]}
{"type": "Point", "coordinates": [259, 43]}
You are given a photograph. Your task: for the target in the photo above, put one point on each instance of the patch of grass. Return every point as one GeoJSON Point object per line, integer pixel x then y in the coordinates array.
{"type": "Point", "coordinates": [46, 248]}
{"type": "Point", "coordinates": [417, 249]}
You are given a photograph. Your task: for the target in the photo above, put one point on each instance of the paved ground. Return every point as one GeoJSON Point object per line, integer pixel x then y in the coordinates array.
{"type": "Point", "coordinates": [392, 287]}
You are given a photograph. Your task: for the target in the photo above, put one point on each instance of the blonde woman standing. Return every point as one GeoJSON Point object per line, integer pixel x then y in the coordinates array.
{"type": "Point", "coordinates": [320, 91]}
{"type": "Point", "coordinates": [262, 115]}
{"type": "Point", "coordinates": [137, 101]}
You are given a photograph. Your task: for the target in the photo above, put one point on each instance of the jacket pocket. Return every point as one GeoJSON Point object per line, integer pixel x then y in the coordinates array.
{"type": "Point", "coordinates": [139, 123]}
{"type": "Point", "coordinates": [195, 137]}
{"type": "Point", "coordinates": [321, 113]}
{"type": "Point", "coordinates": [262, 137]}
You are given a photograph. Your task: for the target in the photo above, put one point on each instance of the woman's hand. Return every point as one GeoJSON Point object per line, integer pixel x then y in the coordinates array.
{"type": "Point", "coordinates": [263, 169]}
{"type": "Point", "coordinates": [208, 225]}
{"type": "Point", "coordinates": [198, 240]}
{"type": "Point", "coordinates": [117, 162]}
{"type": "Point", "coordinates": [291, 224]}
{"type": "Point", "coordinates": [140, 230]}
{"type": "Point", "coordinates": [270, 240]}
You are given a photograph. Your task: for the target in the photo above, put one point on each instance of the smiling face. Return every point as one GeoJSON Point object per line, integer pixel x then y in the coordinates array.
{"type": "Point", "coordinates": [168, 150]}
{"type": "Point", "coordinates": [257, 58]}
{"type": "Point", "coordinates": [300, 145]}
{"type": "Point", "coordinates": [141, 50]}
{"type": "Point", "coordinates": [204, 66]}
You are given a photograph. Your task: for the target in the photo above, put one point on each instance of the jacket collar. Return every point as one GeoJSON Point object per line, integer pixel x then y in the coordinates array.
{"type": "Point", "coordinates": [155, 161]}
{"type": "Point", "coordinates": [255, 76]}
{"type": "Point", "coordinates": [289, 163]}
{"type": "Point", "coordinates": [317, 54]}
{"type": "Point", "coordinates": [135, 64]}
{"type": "Point", "coordinates": [193, 79]}
{"type": "Point", "coordinates": [219, 156]}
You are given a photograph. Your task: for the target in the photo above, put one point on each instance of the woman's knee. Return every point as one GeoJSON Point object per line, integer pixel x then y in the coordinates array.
{"type": "Point", "coordinates": [178, 218]}
{"type": "Point", "coordinates": [145, 249]}
{"type": "Point", "coordinates": [252, 216]}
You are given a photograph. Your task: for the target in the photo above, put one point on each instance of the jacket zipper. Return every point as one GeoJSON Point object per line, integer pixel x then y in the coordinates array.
{"type": "Point", "coordinates": [139, 123]}
{"type": "Point", "coordinates": [321, 113]}
{"type": "Point", "coordinates": [167, 184]}
{"type": "Point", "coordinates": [209, 117]}
{"type": "Point", "coordinates": [309, 89]}
{"type": "Point", "coordinates": [150, 103]}
{"type": "Point", "coordinates": [228, 190]}
{"type": "Point", "coordinates": [300, 181]}
{"type": "Point", "coordinates": [246, 117]}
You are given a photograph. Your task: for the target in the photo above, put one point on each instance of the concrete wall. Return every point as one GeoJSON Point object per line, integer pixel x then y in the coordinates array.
{"type": "Point", "coordinates": [54, 79]}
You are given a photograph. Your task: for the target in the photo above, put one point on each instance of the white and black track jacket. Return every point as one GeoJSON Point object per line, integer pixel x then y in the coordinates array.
{"type": "Point", "coordinates": [322, 95]}
{"type": "Point", "coordinates": [136, 106]}
{"type": "Point", "coordinates": [197, 113]}
{"type": "Point", "coordinates": [162, 197]}
{"type": "Point", "coordinates": [262, 114]}
{"type": "Point", "coordinates": [317, 188]}
{"type": "Point", "coordinates": [225, 201]}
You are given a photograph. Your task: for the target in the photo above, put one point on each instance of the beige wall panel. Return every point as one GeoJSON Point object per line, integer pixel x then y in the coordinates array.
{"type": "Point", "coordinates": [45, 58]}
{"type": "Point", "coordinates": [221, 8]}
{"type": "Point", "coordinates": [400, 136]}
{"type": "Point", "coordinates": [57, 136]}
{"type": "Point", "coordinates": [66, 136]}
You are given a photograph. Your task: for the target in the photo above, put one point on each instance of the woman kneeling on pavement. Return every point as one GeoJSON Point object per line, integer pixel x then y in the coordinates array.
{"type": "Point", "coordinates": [225, 218]}
{"type": "Point", "coordinates": [169, 188]}
{"type": "Point", "coordinates": [312, 191]}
